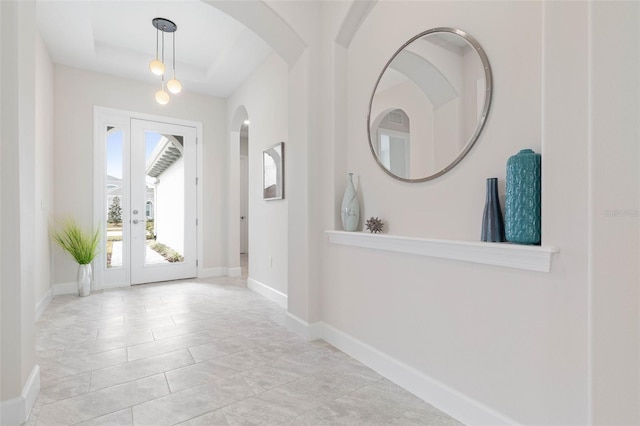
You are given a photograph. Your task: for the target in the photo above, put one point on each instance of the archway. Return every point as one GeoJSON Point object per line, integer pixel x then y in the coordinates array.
{"type": "Point", "coordinates": [290, 41]}
{"type": "Point", "coordinates": [238, 208]}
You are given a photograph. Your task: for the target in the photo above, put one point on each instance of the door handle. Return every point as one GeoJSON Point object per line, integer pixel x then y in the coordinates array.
{"type": "Point", "coordinates": [135, 221]}
{"type": "Point", "coordinates": [242, 217]}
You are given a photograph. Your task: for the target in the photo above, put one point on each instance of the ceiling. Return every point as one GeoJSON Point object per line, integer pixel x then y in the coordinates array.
{"type": "Point", "coordinates": [214, 52]}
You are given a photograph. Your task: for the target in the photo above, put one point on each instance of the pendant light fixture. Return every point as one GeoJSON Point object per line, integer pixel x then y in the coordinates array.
{"type": "Point", "coordinates": [162, 97]}
{"type": "Point", "coordinates": [157, 65]}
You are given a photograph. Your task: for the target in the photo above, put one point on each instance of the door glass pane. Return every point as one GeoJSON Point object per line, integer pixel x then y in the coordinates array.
{"type": "Point", "coordinates": [114, 192]}
{"type": "Point", "coordinates": [164, 204]}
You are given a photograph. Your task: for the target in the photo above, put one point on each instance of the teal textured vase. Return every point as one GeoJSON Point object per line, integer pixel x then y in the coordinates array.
{"type": "Point", "coordinates": [522, 220]}
{"type": "Point", "coordinates": [350, 211]}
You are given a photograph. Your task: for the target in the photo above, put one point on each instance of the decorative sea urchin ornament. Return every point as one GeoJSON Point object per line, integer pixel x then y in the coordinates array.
{"type": "Point", "coordinates": [374, 225]}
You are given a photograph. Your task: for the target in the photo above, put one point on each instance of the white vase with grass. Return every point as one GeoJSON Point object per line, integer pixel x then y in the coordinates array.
{"type": "Point", "coordinates": [83, 247]}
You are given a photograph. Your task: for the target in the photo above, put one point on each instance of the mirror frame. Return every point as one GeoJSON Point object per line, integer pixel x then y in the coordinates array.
{"type": "Point", "coordinates": [483, 117]}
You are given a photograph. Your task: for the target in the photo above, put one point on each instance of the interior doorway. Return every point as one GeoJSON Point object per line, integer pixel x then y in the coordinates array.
{"type": "Point", "coordinates": [244, 197]}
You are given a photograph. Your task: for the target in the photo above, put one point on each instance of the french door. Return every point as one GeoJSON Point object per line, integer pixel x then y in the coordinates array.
{"type": "Point", "coordinates": [148, 201]}
{"type": "Point", "coordinates": [163, 201]}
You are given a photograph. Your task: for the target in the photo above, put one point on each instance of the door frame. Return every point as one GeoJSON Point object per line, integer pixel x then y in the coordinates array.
{"type": "Point", "coordinates": [102, 116]}
{"type": "Point", "coordinates": [406, 141]}
{"type": "Point", "coordinates": [233, 190]}
{"type": "Point", "coordinates": [243, 185]}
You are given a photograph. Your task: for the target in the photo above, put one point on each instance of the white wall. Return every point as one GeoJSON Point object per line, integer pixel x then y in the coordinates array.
{"type": "Point", "coordinates": [514, 341]}
{"type": "Point", "coordinates": [20, 375]}
{"type": "Point", "coordinates": [43, 170]}
{"type": "Point", "coordinates": [614, 151]}
{"type": "Point", "coordinates": [308, 156]}
{"type": "Point", "coordinates": [537, 348]}
{"type": "Point", "coordinates": [264, 95]}
{"type": "Point", "coordinates": [76, 92]}
{"type": "Point", "coordinates": [3, 354]}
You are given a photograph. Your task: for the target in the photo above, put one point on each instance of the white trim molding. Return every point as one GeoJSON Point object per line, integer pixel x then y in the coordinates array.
{"type": "Point", "coordinates": [532, 258]}
{"type": "Point", "coordinates": [110, 286]}
{"type": "Point", "coordinates": [72, 288]}
{"type": "Point", "coordinates": [308, 332]}
{"type": "Point", "coordinates": [107, 116]}
{"type": "Point", "coordinates": [454, 403]}
{"type": "Point", "coordinates": [43, 303]}
{"type": "Point", "coordinates": [212, 272]}
{"type": "Point", "coordinates": [221, 271]}
{"type": "Point", "coordinates": [235, 272]}
{"type": "Point", "coordinates": [15, 411]}
{"type": "Point", "coordinates": [268, 292]}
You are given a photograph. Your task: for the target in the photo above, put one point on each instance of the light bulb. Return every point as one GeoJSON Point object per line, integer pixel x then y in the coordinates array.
{"type": "Point", "coordinates": [174, 86]}
{"type": "Point", "coordinates": [156, 67]}
{"type": "Point", "coordinates": [162, 97]}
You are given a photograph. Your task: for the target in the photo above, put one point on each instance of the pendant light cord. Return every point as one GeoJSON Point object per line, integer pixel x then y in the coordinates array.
{"type": "Point", "coordinates": [163, 46]}
{"type": "Point", "coordinates": [174, 54]}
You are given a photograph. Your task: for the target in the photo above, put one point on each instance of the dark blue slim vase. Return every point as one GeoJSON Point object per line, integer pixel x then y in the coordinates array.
{"type": "Point", "coordinates": [523, 198]}
{"type": "Point", "coordinates": [492, 222]}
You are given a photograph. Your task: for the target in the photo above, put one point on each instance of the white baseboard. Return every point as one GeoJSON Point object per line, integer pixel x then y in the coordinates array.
{"type": "Point", "coordinates": [268, 292]}
{"type": "Point", "coordinates": [65, 288]}
{"type": "Point", "coordinates": [72, 288]}
{"type": "Point", "coordinates": [15, 411]}
{"type": "Point", "coordinates": [456, 404]}
{"type": "Point", "coordinates": [235, 272]}
{"type": "Point", "coordinates": [308, 332]}
{"type": "Point", "coordinates": [112, 285]}
{"type": "Point", "coordinates": [219, 272]}
{"type": "Point", "coordinates": [212, 272]}
{"type": "Point", "coordinates": [43, 303]}
{"type": "Point", "coordinates": [31, 389]}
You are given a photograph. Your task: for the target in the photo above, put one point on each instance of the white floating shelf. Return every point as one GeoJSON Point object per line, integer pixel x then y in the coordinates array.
{"type": "Point", "coordinates": [532, 258]}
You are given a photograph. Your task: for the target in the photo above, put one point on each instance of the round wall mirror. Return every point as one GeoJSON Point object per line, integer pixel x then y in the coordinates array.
{"type": "Point", "coordinates": [429, 104]}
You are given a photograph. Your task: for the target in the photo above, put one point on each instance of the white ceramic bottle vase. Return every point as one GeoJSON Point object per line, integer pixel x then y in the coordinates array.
{"type": "Point", "coordinates": [85, 276]}
{"type": "Point", "coordinates": [350, 211]}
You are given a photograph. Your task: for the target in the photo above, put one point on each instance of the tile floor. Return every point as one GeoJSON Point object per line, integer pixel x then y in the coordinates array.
{"type": "Point", "coordinates": [202, 352]}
